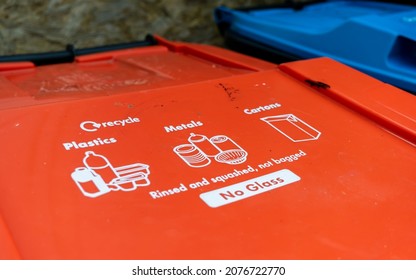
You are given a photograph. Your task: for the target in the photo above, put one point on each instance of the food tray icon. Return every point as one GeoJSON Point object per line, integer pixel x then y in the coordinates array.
{"type": "Point", "coordinates": [131, 176]}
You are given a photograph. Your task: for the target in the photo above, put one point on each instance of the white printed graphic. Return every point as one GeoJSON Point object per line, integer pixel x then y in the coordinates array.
{"type": "Point", "coordinates": [292, 127]}
{"type": "Point", "coordinates": [200, 150]}
{"type": "Point", "coordinates": [98, 177]}
{"type": "Point", "coordinates": [91, 126]}
{"type": "Point", "coordinates": [249, 188]}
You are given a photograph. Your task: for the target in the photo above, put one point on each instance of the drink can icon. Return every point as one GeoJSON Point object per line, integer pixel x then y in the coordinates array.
{"type": "Point", "coordinates": [224, 143]}
{"type": "Point", "coordinates": [204, 144]}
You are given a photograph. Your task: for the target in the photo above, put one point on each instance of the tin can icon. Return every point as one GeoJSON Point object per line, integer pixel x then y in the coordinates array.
{"type": "Point", "coordinates": [192, 155]}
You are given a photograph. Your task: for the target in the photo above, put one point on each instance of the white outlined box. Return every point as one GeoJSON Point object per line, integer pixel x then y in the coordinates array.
{"type": "Point", "coordinates": [292, 127]}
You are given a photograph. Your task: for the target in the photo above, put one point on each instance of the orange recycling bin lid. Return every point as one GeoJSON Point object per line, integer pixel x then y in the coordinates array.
{"type": "Point", "coordinates": [186, 151]}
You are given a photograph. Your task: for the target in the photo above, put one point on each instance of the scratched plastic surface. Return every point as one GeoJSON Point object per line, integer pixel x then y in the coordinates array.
{"type": "Point", "coordinates": [107, 74]}
{"type": "Point", "coordinates": [251, 162]}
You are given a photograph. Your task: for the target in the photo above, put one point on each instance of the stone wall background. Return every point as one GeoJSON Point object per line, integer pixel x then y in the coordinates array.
{"type": "Point", "coordinates": [49, 25]}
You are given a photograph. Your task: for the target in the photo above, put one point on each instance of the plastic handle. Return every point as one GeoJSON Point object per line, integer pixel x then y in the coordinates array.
{"type": "Point", "coordinates": [70, 53]}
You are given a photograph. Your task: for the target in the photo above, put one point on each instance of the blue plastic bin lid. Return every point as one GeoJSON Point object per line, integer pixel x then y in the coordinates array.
{"type": "Point", "coordinates": [377, 38]}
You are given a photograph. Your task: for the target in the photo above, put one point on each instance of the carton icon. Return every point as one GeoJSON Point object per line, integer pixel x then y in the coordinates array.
{"type": "Point", "coordinates": [292, 127]}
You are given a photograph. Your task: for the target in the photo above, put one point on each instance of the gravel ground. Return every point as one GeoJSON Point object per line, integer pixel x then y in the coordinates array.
{"type": "Point", "coordinates": [40, 26]}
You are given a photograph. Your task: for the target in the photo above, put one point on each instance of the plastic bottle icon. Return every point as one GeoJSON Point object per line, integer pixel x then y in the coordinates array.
{"type": "Point", "coordinates": [90, 183]}
{"type": "Point", "coordinates": [100, 165]}
{"type": "Point", "coordinates": [98, 176]}
{"type": "Point", "coordinates": [204, 144]}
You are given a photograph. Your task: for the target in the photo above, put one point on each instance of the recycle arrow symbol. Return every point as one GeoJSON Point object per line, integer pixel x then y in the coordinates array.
{"type": "Point", "coordinates": [90, 126]}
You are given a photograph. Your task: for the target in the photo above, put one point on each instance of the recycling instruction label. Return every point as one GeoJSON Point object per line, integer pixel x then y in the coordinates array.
{"type": "Point", "coordinates": [249, 188]}
{"type": "Point", "coordinates": [196, 148]}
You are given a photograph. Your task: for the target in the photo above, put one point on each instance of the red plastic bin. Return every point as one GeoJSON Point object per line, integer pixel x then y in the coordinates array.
{"type": "Point", "coordinates": [187, 151]}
